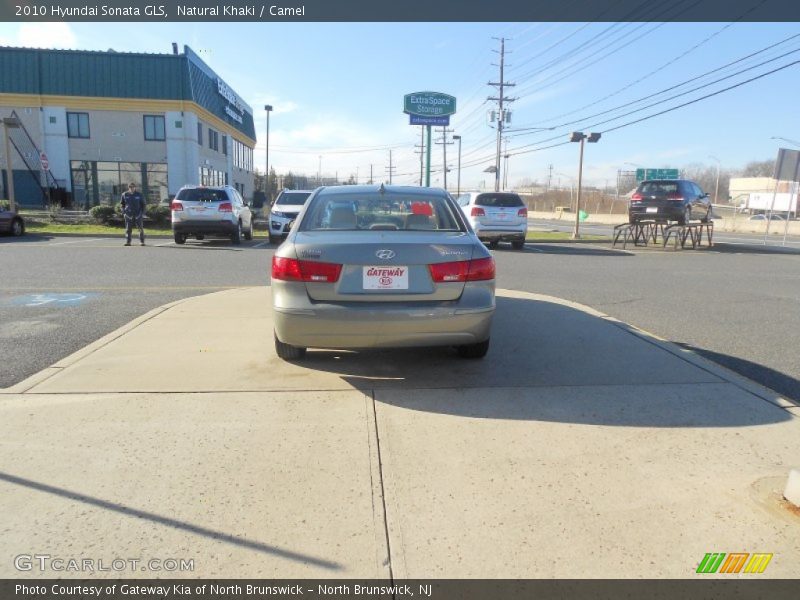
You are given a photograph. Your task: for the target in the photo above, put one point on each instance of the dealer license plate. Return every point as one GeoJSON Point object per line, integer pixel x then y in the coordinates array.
{"type": "Point", "coordinates": [651, 209]}
{"type": "Point", "coordinates": [385, 277]}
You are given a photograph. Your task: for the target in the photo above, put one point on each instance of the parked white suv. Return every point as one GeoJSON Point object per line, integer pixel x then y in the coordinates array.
{"type": "Point", "coordinates": [496, 217]}
{"type": "Point", "coordinates": [199, 211]}
{"type": "Point", "coordinates": [285, 210]}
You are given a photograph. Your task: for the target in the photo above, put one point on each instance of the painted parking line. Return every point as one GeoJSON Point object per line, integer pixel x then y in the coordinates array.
{"type": "Point", "coordinates": [260, 245]}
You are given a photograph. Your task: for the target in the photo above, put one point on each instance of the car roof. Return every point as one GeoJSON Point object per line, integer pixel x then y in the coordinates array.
{"type": "Point", "coordinates": [667, 181]}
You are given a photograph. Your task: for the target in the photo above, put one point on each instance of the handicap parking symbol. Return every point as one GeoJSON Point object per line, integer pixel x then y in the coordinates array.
{"type": "Point", "coordinates": [51, 300]}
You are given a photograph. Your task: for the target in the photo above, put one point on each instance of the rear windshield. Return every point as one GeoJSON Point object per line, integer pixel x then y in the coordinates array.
{"type": "Point", "coordinates": [499, 200]}
{"type": "Point", "coordinates": [659, 188]}
{"type": "Point", "coordinates": [202, 195]}
{"type": "Point", "coordinates": [374, 212]}
{"type": "Point", "coordinates": [293, 198]}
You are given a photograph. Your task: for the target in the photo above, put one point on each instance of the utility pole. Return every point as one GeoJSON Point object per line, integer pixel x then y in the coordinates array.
{"type": "Point", "coordinates": [549, 177]}
{"type": "Point", "coordinates": [445, 144]}
{"type": "Point", "coordinates": [421, 153]}
{"type": "Point", "coordinates": [370, 173]}
{"type": "Point", "coordinates": [390, 168]}
{"type": "Point", "coordinates": [501, 113]}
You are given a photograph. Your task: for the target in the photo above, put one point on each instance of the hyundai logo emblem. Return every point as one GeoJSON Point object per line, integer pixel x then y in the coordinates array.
{"type": "Point", "coordinates": [385, 254]}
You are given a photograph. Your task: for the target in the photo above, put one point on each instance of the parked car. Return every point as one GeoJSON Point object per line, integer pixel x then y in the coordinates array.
{"type": "Point", "coordinates": [357, 272]}
{"type": "Point", "coordinates": [764, 218]}
{"type": "Point", "coordinates": [11, 222]}
{"type": "Point", "coordinates": [496, 217]}
{"type": "Point", "coordinates": [284, 211]}
{"type": "Point", "coordinates": [199, 211]}
{"type": "Point", "coordinates": [662, 200]}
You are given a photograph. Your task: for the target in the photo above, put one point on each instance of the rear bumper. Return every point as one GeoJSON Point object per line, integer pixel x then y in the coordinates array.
{"type": "Point", "coordinates": [210, 227]}
{"type": "Point", "coordinates": [302, 322]}
{"type": "Point", "coordinates": [501, 233]}
{"type": "Point", "coordinates": [665, 212]}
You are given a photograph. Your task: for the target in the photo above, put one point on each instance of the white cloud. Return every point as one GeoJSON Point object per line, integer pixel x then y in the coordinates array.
{"type": "Point", "coordinates": [41, 35]}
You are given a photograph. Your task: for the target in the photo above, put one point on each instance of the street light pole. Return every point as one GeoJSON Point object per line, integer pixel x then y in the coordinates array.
{"type": "Point", "coordinates": [579, 136]}
{"type": "Point", "coordinates": [319, 172]}
{"type": "Point", "coordinates": [458, 137]}
{"type": "Point", "coordinates": [268, 108]}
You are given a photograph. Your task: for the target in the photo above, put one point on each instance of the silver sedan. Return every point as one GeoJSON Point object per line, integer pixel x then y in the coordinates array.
{"type": "Point", "coordinates": [381, 267]}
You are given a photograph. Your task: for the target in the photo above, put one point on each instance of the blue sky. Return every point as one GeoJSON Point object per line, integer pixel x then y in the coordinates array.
{"type": "Point", "coordinates": [337, 89]}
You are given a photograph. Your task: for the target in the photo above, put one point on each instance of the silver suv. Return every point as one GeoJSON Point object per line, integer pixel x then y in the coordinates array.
{"type": "Point", "coordinates": [496, 217]}
{"type": "Point", "coordinates": [199, 211]}
{"type": "Point", "coordinates": [284, 211]}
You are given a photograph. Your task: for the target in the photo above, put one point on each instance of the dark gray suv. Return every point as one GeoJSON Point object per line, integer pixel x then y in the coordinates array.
{"type": "Point", "coordinates": [664, 200]}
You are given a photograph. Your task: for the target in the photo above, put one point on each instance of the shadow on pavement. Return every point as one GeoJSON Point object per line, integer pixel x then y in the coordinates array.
{"type": "Point", "coordinates": [753, 248]}
{"type": "Point", "coordinates": [168, 522]}
{"type": "Point", "coordinates": [545, 248]}
{"type": "Point", "coordinates": [782, 383]}
{"type": "Point", "coordinates": [28, 238]}
{"type": "Point", "coordinates": [552, 362]}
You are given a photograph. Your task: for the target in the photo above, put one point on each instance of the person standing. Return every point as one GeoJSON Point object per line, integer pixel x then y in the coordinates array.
{"type": "Point", "coordinates": [133, 211]}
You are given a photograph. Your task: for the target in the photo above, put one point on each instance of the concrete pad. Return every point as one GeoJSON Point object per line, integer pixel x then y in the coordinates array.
{"type": "Point", "coordinates": [582, 482]}
{"type": "Point", "coordinates": [246, 485]}
{"type": "Point", "coordinates": [224, 342]}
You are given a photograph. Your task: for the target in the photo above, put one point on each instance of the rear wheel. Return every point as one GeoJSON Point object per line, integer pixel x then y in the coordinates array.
{"type": "Point", "coordinates": [288, 352]}
{"type": "Point", "coordinates": [200, 236]}
{"type": "Point", "coordinates": [518, 244]}
{"type": "Point", "coordinates": [248, 235]}
{"type": "Point", "coordinates": [236, 236]}
{"type": "Point", "coordinates": [180, 238]}
{"type": "Point", "coordinates": [17, 227]}
{"type": "Point", "coordinates": [478, 350]}
{"type": "Point", "coordinates": [687, 216]}
{"type": "Point", "coordinates": [492, 244]}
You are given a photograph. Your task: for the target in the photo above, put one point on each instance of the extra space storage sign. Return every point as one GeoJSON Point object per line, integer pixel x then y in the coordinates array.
{"type": "Point", "coordinates": [429, 105]}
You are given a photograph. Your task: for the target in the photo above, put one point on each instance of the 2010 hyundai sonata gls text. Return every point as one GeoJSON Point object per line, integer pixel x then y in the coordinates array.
{"type": "Point", "coordinates": [382, 267]}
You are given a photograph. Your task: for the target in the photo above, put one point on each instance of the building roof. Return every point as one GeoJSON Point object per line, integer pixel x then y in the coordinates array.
{"type": "Point", "coordinates": [122, 75]}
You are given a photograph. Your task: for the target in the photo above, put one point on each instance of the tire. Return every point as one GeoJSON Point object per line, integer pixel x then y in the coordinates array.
{"type": "Point", "coordinates": [493, 244]}
{"type": "Point", "coordinates": [473, 351]}
{"type": "Point", "coordinates": [687, 216]}
{"type": "Point", "coordinates": [180, 238]}
{"type": "Point", "coordinates": [518, 244]}
{"type": "Point", "coordinates": [274, 240]}
{"type": "Point", "coordinates": [200, 236]}
{"type": "Point", "coordinates": [707, 218]}
{"type": "Point", "coordinates": [17, 227]}
{"type": "Point", "coordinates": [248, 235]}
{"type": "Point", "coordinates": [287, 352]}
{"type": "Point", "coordinates": [236, 236]}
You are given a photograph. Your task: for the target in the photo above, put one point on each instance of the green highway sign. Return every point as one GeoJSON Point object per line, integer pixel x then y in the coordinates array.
{"type": "Point", "coordinates": [647, 174]}
{"type": "Point", "coordinates": [429, 104]}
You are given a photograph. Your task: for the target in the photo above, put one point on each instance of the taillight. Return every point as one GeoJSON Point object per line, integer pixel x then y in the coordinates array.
{"type": "Point", "coordinates": [175, 205]}
{"type": "Point", "coordinates": [636, 197]}
{"type": "Point", "coordinates": [289, 269]}
{"type": "Point", "coordinates": [226, 207]}
{"type": "Point", "coordinates": [522, 212]}
{"type": "Point", "coordinates": [678, 197]}
{"type": "Point", "coordinates": [463, 270]}
{"type": "Point", "coordinates": [477, 211]}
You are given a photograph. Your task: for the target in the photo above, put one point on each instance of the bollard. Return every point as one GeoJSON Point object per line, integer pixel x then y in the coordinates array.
{"type": "Point", "coordinates": [792, 491]}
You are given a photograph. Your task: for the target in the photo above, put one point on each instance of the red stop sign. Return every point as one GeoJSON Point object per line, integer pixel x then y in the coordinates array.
{"type": "Point", "coordinates": [43, 160]}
